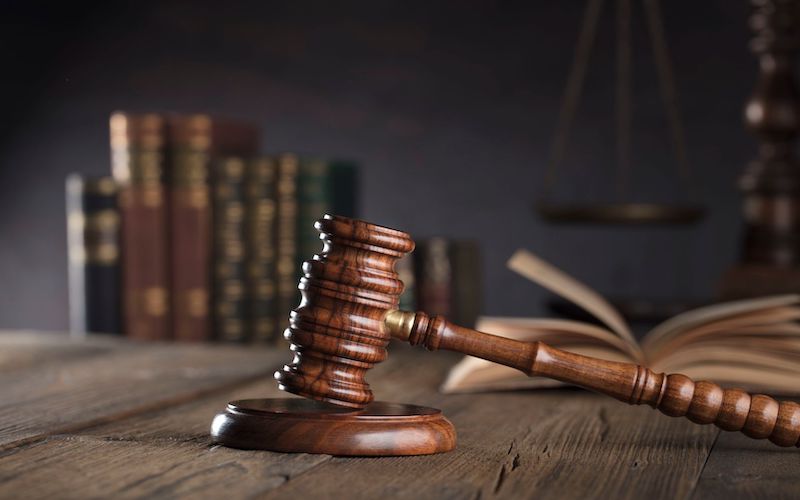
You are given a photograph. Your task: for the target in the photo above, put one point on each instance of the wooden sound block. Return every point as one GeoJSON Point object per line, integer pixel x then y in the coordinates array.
{"type": "Point", "coordinates": [306, 426]}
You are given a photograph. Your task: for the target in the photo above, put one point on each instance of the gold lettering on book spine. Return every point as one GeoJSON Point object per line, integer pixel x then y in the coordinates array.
{"type": "Point", "coordinates": [197, 302]}
{"type": "Point", "coordinates": [155, 301]}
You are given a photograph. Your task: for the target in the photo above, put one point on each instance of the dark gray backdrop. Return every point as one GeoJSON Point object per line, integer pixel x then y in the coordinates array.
{"type": "Point", "coordinates": [450, 106]}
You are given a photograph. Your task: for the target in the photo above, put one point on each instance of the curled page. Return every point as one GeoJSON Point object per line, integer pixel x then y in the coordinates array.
{"type": "Point", "coordinates": [546, 275]}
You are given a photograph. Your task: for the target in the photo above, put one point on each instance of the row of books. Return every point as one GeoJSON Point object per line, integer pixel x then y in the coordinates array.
{"type": "Point", "coordinates": [195, 235]}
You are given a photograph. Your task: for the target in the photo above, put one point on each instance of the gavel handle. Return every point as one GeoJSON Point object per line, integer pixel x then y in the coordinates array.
{"type": "Point", "coordinates": [757, 416]}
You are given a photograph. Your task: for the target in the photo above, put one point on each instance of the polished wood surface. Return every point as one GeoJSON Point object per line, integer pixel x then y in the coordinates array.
{"type": "Point", "coordinates": [336, 333]}
{"type": "Point", "coordinates": [307, 426]}
{"type": "Point", "coordinates": [757, 416]}
{"type": "Point", "coordinates": [88, 420]}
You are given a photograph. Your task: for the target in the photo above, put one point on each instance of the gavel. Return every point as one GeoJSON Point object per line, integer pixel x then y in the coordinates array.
{"type": "Point", "coordinates": [348, 314]}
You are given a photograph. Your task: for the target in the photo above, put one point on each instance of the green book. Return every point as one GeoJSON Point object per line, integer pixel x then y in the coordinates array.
{"type": "Point", "coordinates": [286, 270]}
{"type": "Point", "coordinates": [260, 237]}
{"type": "Point", "coordinates": [405, 270]}
{"type": "Point", "coordinates": [228, 277]}
{"type": "Point", "coordinates": [322, 187]}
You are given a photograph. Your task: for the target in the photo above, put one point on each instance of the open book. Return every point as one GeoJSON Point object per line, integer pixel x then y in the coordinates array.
{"type": "Point", "coordinates": [752, 344]}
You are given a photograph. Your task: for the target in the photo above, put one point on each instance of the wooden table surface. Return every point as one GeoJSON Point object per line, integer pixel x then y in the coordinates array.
{"type": "Point", "coordinates": [109, 418]}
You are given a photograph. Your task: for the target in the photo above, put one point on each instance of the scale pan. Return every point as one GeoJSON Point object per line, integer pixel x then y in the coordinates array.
{"type": "Point", "coordinates": [620, 213]}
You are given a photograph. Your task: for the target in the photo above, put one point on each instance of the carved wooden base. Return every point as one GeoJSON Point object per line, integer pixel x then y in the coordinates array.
{"type": "Point", "coordinates": [307, 426]}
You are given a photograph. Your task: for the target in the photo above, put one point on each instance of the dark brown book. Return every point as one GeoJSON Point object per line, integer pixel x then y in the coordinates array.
{"type": "Point", "coordinates": [466, 277]}
{"type": "Point", "coordinates": [448, 279]}
{"type": "Point", "coordinates": [194, 141]}
{"type": "Point", "coordinates": [433, 276]}
{"type": "Point", "coordinates": [138, 161]}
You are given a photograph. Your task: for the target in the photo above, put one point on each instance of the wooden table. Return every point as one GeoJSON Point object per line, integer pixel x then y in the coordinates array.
{"type": "Point", "coordinates": [110, 418]}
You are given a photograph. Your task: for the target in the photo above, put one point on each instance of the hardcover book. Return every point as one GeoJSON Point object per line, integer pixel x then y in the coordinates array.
{"type": "Point", "coordinates": [194, 141]}
{"type": "Point", "coordinates": [260, 248]}
{"type": "Point", "coordinates": [405, 271]}
{"type": "Point", "coordinates": [313, 199]}
{"type": "Point", "coordinates": [434, 276]}
{"type": "Point", "coordinates": [228, 279]}
{"type": "Point", "coordinates": [286, 268]}
{"type": "Point", "coordinates": [447, 279]}
{"type": "Point", "coordinates": [465, 258]}
{"type": "Point", "coordinates": [93, 227]}
{"type": "Point", "coordinates": [322, 187]}
{"type": "Point", "coordinates": [138, 159]}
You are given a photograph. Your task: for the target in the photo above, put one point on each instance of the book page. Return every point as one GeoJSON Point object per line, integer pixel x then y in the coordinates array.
{"type": "Point", "coordinates": [537, 270]}
{"type": "Point", "coordinates": [558, 332]}
{"type": "Point", "coordinates": [762, 323]}
{"type": "Point", "coordinates": [734, 355]}
{"type": "Point", "coordinates": [756, 350]}
{"type": "Point", "coordinates": [660, 334]}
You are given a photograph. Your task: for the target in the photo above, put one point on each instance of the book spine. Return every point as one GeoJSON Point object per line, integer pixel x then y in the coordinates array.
{"type": "Point", "coordinates": [76, 256]}
{"type": "Point", "coordinates": [137, 161]}
{"type": "Point", "coordinates": [286, 238]}
{"type": "Point", "coordinates": [260, 238]}
{"type": "Point", "coordinates": [313, 201]}
{"type": "Point", "coordinates": [466, 277]}
{"type": "Point", "coordinates": [343, 186]}
{"type": "Point", "coordinates": [433, 275]}
{"type": "Point", "coordinates": [228, 280]}
{"type": "Point", "coordinates": [405, 271]}
{"type": "Point", "coordinates": [322, 187]}
{"type": "Point", "coordinates": [93, 224]}
{"type": "Point", "coordinates": [190, 226]}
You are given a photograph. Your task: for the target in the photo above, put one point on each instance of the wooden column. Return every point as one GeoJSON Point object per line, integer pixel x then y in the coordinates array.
{"type": "Point", "coordinates": [770, 259]}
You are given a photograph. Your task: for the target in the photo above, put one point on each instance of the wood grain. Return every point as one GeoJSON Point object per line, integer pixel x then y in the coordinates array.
{"type": "Point", "coordinates": [543, 444]}
{"type": "Point", "coordinates": [554, 444]}
{"type": "Point", "coordinates": [337, 330]}
{"type": "Point", "coordinates": [20, 350]}
{"type": "Point", "coordinates": [160, 454]}
{"type": "Point", "coordinates": [55, 397]}
{"type": "Point", "coordinates": [298, 425]}
{"type": "Point", "coordinates": [168, 452]}
{"type": "Point", "coordinates": [740, 468]}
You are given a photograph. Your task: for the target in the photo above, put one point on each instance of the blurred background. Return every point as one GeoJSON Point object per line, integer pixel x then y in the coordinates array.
{"type": "Point", "coordinates": [448, 109]}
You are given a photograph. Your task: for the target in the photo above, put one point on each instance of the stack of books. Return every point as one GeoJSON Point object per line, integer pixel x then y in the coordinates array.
{"type": "Point", "coordinates": [196, 235]}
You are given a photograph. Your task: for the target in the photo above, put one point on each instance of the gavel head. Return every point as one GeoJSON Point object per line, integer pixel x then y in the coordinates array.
{"type": "Point", "coordinates": [337, 331]}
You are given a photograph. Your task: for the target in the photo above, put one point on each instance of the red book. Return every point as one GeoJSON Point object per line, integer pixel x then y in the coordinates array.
{"type": "Point", "coordinates": [194, 141]}
{"type": "Point", "coordinates": [138, 161]}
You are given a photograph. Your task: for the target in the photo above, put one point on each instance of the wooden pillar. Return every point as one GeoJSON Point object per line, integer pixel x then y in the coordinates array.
{"type": "Point", "coordinates": [770, 258]}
